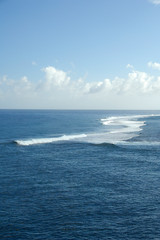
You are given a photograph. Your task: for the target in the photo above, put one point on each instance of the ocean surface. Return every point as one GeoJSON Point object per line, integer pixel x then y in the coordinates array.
{"type": "Point", "coordinates": [68, 175]}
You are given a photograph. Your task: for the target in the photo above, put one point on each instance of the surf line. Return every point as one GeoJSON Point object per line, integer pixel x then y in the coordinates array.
{"type": "Point", "coordinates": [49, 140]}
{"type": "Point", "coordinates": [123, 128]}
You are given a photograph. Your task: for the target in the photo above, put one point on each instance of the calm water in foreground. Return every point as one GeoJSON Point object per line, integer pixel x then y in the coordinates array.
{"type": "Point", "coordinates": [68, 175]}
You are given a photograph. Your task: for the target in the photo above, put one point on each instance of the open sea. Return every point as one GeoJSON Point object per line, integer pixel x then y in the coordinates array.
{"type": "Point", "coordinates": [70, 175]}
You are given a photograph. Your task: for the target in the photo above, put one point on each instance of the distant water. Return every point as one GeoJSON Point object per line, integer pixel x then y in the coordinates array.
{"type": "Point", "coordinates": [68, 175]}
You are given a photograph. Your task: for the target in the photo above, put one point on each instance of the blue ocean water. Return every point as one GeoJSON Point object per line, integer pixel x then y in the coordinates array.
{"type": "Point", "coordinates": [79, 175]}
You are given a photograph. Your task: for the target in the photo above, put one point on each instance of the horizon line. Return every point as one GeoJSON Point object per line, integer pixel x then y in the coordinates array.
{"type": "Point", "coordinates": [80, 109]}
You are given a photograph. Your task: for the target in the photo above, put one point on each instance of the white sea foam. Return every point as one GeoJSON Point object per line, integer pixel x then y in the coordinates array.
{"type": "Point", "coordinates": [122, 128]}
{"type": "Point", "coordinates": [125, 123]}
{"type": "Point", "coordinates": [49, 140]}
{"type": "Point", "coordinates": [117, 130]}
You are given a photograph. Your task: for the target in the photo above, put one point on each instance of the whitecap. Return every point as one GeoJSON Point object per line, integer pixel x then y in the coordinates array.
{"type": "Point", "coordinates": [123, 128]}
{"type": "Point", "coordinates": [49, 140]}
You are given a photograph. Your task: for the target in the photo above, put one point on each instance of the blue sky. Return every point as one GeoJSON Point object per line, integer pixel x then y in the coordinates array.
{"type": "Point", "coordinates": [59, 53]}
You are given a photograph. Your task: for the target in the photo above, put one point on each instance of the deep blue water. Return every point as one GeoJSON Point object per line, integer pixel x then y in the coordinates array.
{"type": "Point", "coordinates": [70, 175]}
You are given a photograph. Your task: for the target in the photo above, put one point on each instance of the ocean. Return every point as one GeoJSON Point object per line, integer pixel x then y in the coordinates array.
{"type": "Point", "coordinates": [68, 175]}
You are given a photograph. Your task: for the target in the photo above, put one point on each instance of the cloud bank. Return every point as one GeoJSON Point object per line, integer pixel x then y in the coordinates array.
{"type": "Point", "coordinates": [139, 90]}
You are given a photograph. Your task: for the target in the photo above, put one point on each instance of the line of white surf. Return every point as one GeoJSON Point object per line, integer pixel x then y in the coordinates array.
{"type": "Point", "coordinates": [49, 140]}
{"type": "Point", "coordinates": [126, 123]}
{"type": "Point", "coordinates": [123, 128]}
{"type": "Point", "coordinates": [118, 130]}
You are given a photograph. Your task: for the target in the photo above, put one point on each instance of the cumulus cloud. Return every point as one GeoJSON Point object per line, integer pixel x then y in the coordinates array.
{"type": "Point", "coordinates": [96, 87]}
{"type": "Point", "coordinates": [19, 86]}
{"type": "Point", "coordinates": [137, 82]}
{"type": "Point", "coordinates": [156, 2]}
{"type": "Point", "coordinates": [55, 77]}
{"type": "Point", "coordinates": [22, 86]}
{"type": "Point", "coordinates": [58, 90]}
{"type": "Point", "coordinates": [154, 65]}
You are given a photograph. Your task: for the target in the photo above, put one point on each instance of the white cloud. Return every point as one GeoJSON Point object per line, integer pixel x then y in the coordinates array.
{"type": "Point", "coordinates": [57, 90]}
{"type": "Point", "coordinates": [15, 86]}
{"type": "Point", "coordinates": [136, 83]}
{"type": "Point", "coordinates": [156, 2]}
{"type": "Point", "coordinates": [154, 65]}
{"type": "Point", "coordinates": [96, 87]}
{"type": "Point", "coordinates": [55, 77]}
{"type": "Point", "coordinates": [129, 66]}
{"type": "Point", "coordinates": [22, 86]}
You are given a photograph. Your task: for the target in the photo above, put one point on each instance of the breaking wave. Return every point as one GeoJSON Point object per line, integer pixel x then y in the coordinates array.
{"type": "Point", "coordinates": [125, 124]}
{"type": "Point", "coordinates": [123, 128]}
{"type": "Point", "coordinates": [116, 130]}
{"type": "Point", "coordinates": [49, 140]}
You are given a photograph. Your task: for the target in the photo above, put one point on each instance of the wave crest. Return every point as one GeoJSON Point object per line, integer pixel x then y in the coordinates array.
{"type": "Point", "coordinates": [49, 140]}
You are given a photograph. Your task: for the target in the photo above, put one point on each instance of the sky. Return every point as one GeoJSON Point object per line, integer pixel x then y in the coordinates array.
{"type": "Point", "coordinates": [80, 54]}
